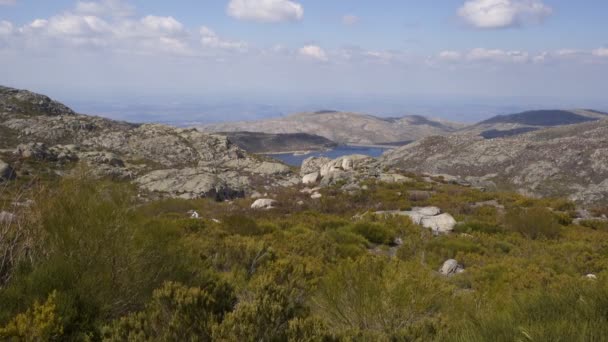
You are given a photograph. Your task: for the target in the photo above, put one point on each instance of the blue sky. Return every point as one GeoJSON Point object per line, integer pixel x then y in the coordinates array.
{"type": "Point", "coordinates": [272, 50]}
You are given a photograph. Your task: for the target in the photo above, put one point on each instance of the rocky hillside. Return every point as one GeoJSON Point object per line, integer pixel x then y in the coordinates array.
{"type": "Point", "coordinates": [271, 143]}
{"type": "Point", "coordinates": [41, 134]}
{"type": "Point", "coordinates": [514, 124]}
{"type": "Point", "coordinates": [562, 161]}
{"type": "Point", "coordinates": [346, 128]}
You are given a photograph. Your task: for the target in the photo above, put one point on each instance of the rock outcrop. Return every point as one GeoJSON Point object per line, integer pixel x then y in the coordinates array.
{"type": "Point", "coordinates": [159, 159]}
{"type": "Point", "coordinates": [564, 161]}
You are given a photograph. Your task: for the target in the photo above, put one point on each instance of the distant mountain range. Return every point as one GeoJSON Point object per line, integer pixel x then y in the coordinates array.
{"type": "Point", "coordinates": [346, 128]}
{"type": "Point", "coordinates": [515, 124]}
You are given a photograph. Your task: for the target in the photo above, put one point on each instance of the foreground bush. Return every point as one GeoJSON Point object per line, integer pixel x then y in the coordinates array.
{"type": "Point", "coordinates": [381, 299]}
{"type": "Point", "coordinates": [176, 313]}
{"type": "Point", "coordinates": [96, 251]}
{"type": "Point", "coordinates": [577, 311]}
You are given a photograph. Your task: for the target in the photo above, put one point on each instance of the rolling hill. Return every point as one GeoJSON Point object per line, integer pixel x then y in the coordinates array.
{"type": "Point", "coordinates": [346, 128]}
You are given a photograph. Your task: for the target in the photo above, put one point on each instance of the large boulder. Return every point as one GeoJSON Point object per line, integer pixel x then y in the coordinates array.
{"type": "Point", "coordinates": [6, 172]}
{"type": "Point", "coordinates": [263, 203]}
{"type": "Point", "coordinates": [442, 224]}
{"type": "Point", "coordinates": [451, 267]}
{"type": "Point", "coordinates": [428, 217]}
{"type": "Point", "coordinates": [310, 178]}
{"type": "Point", "coordinates": [270, 169]}
{"type": "Point", "coordinates": [313, 164]}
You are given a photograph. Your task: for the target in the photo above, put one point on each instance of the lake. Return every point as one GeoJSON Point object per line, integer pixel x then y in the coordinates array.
{"type": "Point", "coordinates": [290, 159]}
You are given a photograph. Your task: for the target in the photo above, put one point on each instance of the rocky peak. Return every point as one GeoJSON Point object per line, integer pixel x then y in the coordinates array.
{"type": "Point", "coordinates": [29, 103]}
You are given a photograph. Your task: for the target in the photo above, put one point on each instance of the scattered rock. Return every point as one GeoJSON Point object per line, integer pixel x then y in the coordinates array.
{"type": "Point", "coordinates": [6, 172]}
{"type": "Point", "coordinates": [351, 187]}
{"type": "Point", "coordinates": [316, 195]}
{"type": "Point", "coordinates": [256, 195]}
{"type": "Point", "coordinates": [419, 195]}
{"type": "Point", "coordinates": [310, 178]}
{"type": "Point", "coordinates": [263, 203]}
{"type": "Point", "coordinates": [309, 190]}
{"type": "Point", "coordinates": [451, 267]}
{"type": "Point", "coordinates": [6, 217]}
{"type": "Point", "coordinates": [492, 203]}
{"type": "Point", "coordinates": [194, 214]}
{"type": "Point", "coordinates": [102, 158]}
{"type": "Point", "coordinates": [398, 241]}
{"type": "Point", "coordinates": [591, 276]}
{"type": "Point", "coordinates": [393, 178]}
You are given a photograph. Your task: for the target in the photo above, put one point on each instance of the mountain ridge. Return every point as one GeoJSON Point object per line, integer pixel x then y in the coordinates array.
{"type": "Point", "coordinates": [344, 127]}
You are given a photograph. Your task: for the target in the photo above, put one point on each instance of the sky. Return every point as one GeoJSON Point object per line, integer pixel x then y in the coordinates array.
{"type": "Point", "coordinates": [441, 57]}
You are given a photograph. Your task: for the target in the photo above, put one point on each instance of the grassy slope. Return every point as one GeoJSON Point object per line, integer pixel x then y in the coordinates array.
{"type": "Point", "coordinates": [311, 270]}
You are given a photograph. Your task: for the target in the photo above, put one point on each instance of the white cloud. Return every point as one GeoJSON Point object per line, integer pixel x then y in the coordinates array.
{"type": "Point", "coordinates": [210, 39]}
{"type": "Point", "coordinates": [350, 19]}
{"type": "Point", "coordinates": [450, 55]}
{"type": "Point", "coordinates": [493, 14]}
{"type": "Point", "coordinates": [601, 52]}
{"type": "Point", "coordinates": [313, 52]}
{"type": "Point", "coordinates": [482, 55]}
{"type": "Point", "coordinates": [6, 28]}
{"type": "Point", "coordinates": [162, 25]}
{"type": "Point", "coordinates": [7, 2]}
{"type": "Point", "coordinates": [115, 8]}
{"type": "Point", "coordinates": [270, 11]}
{"type": "Point", "coordinates": [497, 55]}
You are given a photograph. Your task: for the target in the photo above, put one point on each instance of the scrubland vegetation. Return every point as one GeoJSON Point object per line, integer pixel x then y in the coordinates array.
{"type": "Point", "coordinates": [89, 260]}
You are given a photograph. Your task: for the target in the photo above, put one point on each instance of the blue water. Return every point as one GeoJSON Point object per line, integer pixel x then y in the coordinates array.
{"type": "Point", "coordinates": [290, 159]}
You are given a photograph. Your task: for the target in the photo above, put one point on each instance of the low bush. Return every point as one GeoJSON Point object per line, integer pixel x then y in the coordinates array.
{"type": "Point", "coordinates": [595, 224]}
{"type": "Point", "coordinates": [374, 232]}
{"type": "Point", "coordinates": [533, 223]}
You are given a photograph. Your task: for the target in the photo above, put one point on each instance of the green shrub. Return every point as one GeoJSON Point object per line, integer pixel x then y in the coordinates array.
{"type": "Point", "coordinates": [176, 313]}
{"type": "Point", "coordinates": [39, 323]}
{"type": "Point", "coordinates": [478, 227]}
{"type": "Point", "coordinates": [563, 218]}
{"type": "Point", "coordinates": [96, 251]}
{"type": "Point", "coordinates": [373, 295]}
{"type": "Point", "coordinates": [277, 298]}
{"type": "Point", "coordinates": [374, 232]}
{"type": "Point", "coordinates": [534, 223]}
{"type": "Point", "coordinates": [242, 225]}
{"type": "Point", "coordinates": [449, 248]}
{"type": "Point", "coordinates": [576, 311]}
{"type": "Point", "coordinates": [595, 224]}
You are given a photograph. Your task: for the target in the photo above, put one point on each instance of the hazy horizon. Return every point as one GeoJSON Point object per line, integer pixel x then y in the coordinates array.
{"type": "Point", "coordinates": [229, 60]}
